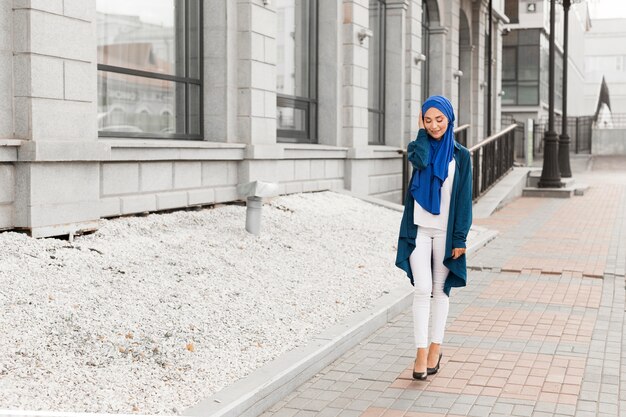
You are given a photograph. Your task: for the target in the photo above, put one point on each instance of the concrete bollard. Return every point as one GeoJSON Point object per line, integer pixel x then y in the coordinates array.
{"type": "Point", "coordinates": [253, 215]}
{"type": "Point", "coordinates": [254, 192]}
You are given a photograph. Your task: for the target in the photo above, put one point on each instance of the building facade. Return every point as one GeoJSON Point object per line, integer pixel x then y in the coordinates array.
{"type": "Point", "coordinates": [116, 107]}
{"type": "Point", "coordinates": [526, 59]}
{"type": "Point", "coordinates": [605, 56]}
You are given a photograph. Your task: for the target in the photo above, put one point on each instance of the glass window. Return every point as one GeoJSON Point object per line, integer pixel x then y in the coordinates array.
{"type": "Point", "coordinates": [149, 68]}
{"type": "Point", "coordinates": [522, 68]}
{"type": "Point", "coordinates": [528, 58]}
{"type": "Point", "coordinates": [296, 43]}
{"type": "Point", "coordinates": [511, 10]}
{"type": "Point", "coordinates": [528, 37]}
{"type": "Point", "coordinates": [510, 93]}
{"type": "Point", "coordinates": [376, 73]}
{"type": "Point", "coordinates": [509, 63]}
{"type": "Point", "coordinates": [528, 93]}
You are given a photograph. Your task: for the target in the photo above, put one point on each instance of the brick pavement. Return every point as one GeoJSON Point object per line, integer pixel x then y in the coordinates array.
{"type": "Point", "coordinates": [539, 331]}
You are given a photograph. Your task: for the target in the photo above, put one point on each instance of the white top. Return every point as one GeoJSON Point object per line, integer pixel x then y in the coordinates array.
{"type": "Point", "coordinates": [439, 221]}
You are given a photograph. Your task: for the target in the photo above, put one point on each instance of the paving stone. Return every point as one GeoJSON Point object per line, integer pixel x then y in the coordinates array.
{"type": "Point", "coordinates": [479, 411]}
{"type": "Point", "coordinates": [328, 395]}
{"type": "Point", "coordinates": [285, 412]}
{"type": "Point", "coordinates": [359, 405]}
{"type": "Point", "coordinates": [329, 412]}
{"type": "Point", "coordinates": [522, 410]}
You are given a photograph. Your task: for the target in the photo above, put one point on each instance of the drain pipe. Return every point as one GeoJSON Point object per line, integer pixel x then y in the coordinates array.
{"type": "Point", "coordinates": [254, 192]}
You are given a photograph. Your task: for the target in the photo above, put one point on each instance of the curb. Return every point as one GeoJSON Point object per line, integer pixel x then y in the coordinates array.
{"type": "Point", "coordinates": [257, 392]}
{"type": "Point", "coordinates": [269, 384]}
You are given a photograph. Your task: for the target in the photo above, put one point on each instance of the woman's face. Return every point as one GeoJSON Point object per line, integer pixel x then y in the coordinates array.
{"type": "Point", "coordinates": [435, 123]}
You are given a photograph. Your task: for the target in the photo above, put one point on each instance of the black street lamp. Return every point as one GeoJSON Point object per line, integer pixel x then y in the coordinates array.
{"type": "Point", "coordinates": [564, 140]}
{"type": "Point", "coordinates": [550, 175]}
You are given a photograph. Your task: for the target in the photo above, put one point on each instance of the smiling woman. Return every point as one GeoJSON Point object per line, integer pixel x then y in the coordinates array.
{"type": "Point", "coordinates": [435, 223]}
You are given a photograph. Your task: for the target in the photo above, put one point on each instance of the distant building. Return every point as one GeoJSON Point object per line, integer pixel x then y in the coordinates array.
{"type": "Point", "coordinates": [605, 56]}
{"type": "Point", "coordinates": [110, 108]}
{"type": "Point", "coordinates": [525, 62]}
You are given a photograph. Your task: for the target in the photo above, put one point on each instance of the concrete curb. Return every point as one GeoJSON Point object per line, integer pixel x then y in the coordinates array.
{"type": "Point", "coordinates": [269, 384]}
{"type": "Point", "coordinates": [252, 395]}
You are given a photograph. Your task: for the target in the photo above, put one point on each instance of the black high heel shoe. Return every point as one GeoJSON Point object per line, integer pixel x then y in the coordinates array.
{"type": "Point", "coordinates": [420, 376]}
{"type": "Point", "coordinates": [433, 371]}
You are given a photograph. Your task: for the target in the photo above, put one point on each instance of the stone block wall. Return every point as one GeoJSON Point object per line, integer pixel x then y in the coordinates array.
{"type": "Point", "coordinates": [7, 195]}
{"type": "Point", "coordinates": [385, 179]}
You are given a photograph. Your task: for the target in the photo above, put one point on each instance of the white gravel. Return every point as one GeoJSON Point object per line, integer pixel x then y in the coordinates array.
{"type": "Point", "coordinates": [153, 314]}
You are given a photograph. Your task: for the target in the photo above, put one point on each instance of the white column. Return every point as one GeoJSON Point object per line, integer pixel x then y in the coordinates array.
{"type": "Point", "coordinates": [355, 95]}
{"type": "Point", "coordinates": [329, 67]}
{"type": "Point", "coordinates": [413, 69]}
{"type": "Point", "coordinates": [256, 72]}
{"type": "Point", "coordinates": [437, 58]}
{"type": "Point", "coordinates": [395, 67]}
{"type": "Point", "coordinates": [55, 95]}
{"type": "Point", "coordinates": [220, 70]}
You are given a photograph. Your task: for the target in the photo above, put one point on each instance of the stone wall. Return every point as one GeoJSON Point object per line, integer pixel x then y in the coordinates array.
{"type": "Point", "coordinates": [608, 142]}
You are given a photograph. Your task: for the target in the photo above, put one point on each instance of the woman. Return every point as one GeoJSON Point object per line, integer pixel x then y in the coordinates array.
{"type": "Point", "coordinates": [435, 223]}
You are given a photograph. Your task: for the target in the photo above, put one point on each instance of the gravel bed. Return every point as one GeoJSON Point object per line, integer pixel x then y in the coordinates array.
{"type": "Point", "coordinates": [152, 314]}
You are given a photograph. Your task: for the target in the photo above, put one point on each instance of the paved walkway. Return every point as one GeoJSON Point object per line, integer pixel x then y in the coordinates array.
{"type": "Point", "coordinates": [538, 332]}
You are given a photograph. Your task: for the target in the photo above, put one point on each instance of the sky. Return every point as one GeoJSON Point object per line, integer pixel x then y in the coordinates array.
{"type": "Point", "coordinates": [151, 11]}
{"type": "Point", "coordinates": [602, 9]}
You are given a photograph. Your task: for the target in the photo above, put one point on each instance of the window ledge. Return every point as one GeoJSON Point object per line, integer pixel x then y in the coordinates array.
{"type": "Point", "coordinates": [8, 149]}
{"type": "Point", "coordinates": [313, 151]}
{"type": "Point", "coordinates": [157, 149]}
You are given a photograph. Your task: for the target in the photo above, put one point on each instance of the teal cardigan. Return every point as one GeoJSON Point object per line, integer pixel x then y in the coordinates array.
{"type": "Point", "coordinates": [460, 215]}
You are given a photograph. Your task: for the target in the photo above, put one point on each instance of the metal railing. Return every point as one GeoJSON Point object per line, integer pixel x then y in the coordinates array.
{"type": "Point", "coordinates": [460, 135]}
{"type": "Point", "coordinates": [612, 121]}
{"type": "Point", "coordinates": [492, 159]}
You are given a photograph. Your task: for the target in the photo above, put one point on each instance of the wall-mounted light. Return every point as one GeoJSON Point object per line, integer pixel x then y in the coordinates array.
{"type": "Point", "coordinates": [364, 33]}
{"type": "Point", "coordinates": [482, 85]}
{"type": "Point", "coordinates": [419, 58]}
{"type": "Point", "coordinates": [531, 7]}
{"type": "Point", "coordinates": [502, 93]}
{"type": "Point", "coordinates": [457, 73]}
{"type": "Point", "coordinates": [266, 2]}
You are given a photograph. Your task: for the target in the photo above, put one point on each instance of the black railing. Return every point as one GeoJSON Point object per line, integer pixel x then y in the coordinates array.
{"type": "Point", "coordinates": [492, 159]}
{"type": "Point", "coordinates": [460, 135]}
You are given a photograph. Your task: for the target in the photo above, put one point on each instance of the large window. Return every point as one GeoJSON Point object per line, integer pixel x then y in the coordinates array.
{"type": "Point", "coordinates": [376, 73]}
{"type": "Point", "coordinates": [150, 68]}
{"type": "Point", "coordinates": [520, 67]}
{"type": "Point", "coordinates": [296, 74]}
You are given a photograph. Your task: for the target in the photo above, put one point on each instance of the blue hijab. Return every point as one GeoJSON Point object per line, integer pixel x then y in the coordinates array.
{"type": "Point", "coordinates": [426, 185]}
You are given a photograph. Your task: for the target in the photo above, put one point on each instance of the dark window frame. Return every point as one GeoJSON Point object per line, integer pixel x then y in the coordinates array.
{"type": "Point", "coordinates": [382, 63]}
{"type": "Point", "coordinates": [307, 104]}
{"type": "Point", "coordinates": [516, 82]}
{"type": "Point", "coordinates": [185, 80]}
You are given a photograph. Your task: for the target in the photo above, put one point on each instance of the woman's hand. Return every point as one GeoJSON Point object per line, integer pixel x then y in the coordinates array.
{"type": "Point", "coordinates": [420, 120]}
{"type": "Point", "coordinates": [457, 252]}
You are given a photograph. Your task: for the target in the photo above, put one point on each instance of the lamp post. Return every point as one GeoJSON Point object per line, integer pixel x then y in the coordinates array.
{"type": "Point", "coordinates": [564, 140]}
{"type": "Point", "coordinates": [550, 175]}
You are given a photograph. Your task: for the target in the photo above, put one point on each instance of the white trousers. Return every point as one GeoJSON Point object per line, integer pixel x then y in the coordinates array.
{"type": "Point", "coordinates": [429, 276]}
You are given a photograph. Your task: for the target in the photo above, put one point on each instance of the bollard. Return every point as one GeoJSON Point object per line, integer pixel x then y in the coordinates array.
{"type": "Point", "coordinates": [253, 214]}
{"type": "Point", "coordinates": [254, 192]}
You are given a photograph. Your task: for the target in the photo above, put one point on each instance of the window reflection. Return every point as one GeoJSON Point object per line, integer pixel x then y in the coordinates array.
{"type": "Point", "coordinates": [140, 34]}
{"type": "Point", "coordinates": [295, 69]}
{"type": "Point", "coordinates": [149, 67]}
